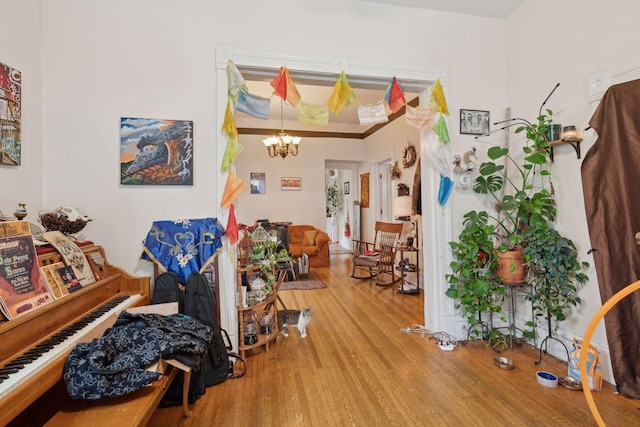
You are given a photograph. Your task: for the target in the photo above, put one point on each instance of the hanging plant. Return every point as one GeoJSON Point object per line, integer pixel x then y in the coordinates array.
{"type": "Point", "coordinates": [334, 202]}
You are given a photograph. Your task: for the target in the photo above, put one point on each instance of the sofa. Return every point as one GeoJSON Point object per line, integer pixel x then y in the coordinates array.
{"type": "Point", "coordinates": [311, 241]}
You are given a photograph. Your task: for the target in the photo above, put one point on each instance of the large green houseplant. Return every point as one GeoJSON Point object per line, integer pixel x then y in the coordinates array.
{"type": "Point", "coordinates": [520, 214]}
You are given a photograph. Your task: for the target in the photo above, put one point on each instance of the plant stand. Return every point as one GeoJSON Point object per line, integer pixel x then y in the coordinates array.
{"type": "Point", "coordinates": [550, 336]}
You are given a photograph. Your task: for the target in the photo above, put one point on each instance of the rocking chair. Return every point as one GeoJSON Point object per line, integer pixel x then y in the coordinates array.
{"type": "Point", "coordinates": [378, 258]}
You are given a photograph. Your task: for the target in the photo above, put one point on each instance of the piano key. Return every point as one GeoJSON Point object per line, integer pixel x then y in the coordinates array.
{"type": "Point", "coordinates": [9, 370]}
{"type": "Point", "coordinates": [30, 368]}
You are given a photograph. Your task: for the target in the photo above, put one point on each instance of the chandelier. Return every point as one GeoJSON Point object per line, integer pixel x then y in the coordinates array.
{"type": "Point", "coordinates": [283, 144]}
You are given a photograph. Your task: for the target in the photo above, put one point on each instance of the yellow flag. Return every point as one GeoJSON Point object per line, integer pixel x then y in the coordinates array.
{"type": "Point", "coordinates": [313, 114]}
{"type": "Point", "coordinates": [229, 124]}
{"type": "Point", "coordinates": [437, 98]}
{"type": "Point", "coordinates": [342, 95]}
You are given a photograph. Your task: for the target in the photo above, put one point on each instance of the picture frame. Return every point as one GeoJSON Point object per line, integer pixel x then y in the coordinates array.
{"type": "Point", "coordinates": [346, 187]}
{"type": "Point", "coordinates": [474, 122]}
{"type": "Point", "coordinates": [290, 183]}
{"type": "Point", "coordinates": [257, 182]}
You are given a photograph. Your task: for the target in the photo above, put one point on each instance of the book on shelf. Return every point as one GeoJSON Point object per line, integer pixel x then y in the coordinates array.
{"type": "Point", "coordinates": [22, 287]}
{"type": "Point", "coordinates": [66, 278]}
{"type": "Point", "coordinates": [72, 256]}
{"type": "Point", "coordinates": [50, 272]}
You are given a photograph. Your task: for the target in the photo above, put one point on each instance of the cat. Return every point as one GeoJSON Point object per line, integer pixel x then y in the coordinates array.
{"type": "Point", "coordinates": [298, 318]}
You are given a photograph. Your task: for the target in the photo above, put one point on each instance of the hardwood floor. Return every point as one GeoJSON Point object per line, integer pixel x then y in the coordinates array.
{"type": "Point", "coordinates": [356, 368]}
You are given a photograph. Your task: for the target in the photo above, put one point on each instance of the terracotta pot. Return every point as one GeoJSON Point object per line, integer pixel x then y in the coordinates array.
{"type": "Point", "coordinates": [511, 266]}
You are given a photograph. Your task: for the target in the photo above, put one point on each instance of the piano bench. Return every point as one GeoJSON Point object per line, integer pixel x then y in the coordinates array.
{"type": "Point", "coordinates": [133, 409]}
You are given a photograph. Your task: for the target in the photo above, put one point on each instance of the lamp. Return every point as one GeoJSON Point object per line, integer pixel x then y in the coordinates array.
{"type": "Point", "coordinates": [282, 145]}
{"type": "Point", "coordinates": [403, 210]}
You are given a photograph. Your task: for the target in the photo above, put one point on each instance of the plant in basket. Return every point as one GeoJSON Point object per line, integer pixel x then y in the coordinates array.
{"type": "Point", "coordinates": [66, 219]}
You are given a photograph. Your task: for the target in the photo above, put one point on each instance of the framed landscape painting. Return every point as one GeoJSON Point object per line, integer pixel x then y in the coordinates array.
{"type": "Point", "coordinates": [156, 151]}
{"type": "Point", "coordinates": [290, 184]}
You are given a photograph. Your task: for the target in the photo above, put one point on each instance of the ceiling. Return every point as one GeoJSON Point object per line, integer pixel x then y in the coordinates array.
{"type": "Point", "coordinates": [316, 89]}
{"type": "Point", "coordinates": [486, 8]}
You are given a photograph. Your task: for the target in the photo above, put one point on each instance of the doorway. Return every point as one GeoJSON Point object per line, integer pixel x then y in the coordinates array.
{"type": "Point", "coordinates": [436, 220]}
{"type": "Point", "coordinates": [343, 224]}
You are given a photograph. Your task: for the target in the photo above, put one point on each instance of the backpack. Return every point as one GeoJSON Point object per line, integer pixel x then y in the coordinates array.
{"type": "Point", "coordinates": [167, 288]}
{"type": "Point", "coordinates": [200, 303]}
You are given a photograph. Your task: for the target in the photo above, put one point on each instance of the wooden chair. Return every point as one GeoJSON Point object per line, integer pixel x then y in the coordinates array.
{"type": "Point", "coordinates": [382, 261]}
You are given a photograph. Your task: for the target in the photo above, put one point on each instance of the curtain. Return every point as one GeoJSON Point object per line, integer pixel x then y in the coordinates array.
{"type": "Point", "coordinates": [610, 175]}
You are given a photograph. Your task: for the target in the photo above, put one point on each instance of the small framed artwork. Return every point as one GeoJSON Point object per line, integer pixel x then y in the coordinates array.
{"type": "Point", "coordinates": [474, 122]}
{"type": "Point", "coordinates": [364, 190]}
{"type": "Point", "coordinates": [346, 187]}
{"type": "Point", "coordinates": [290, 183]}
{"type": "Point", "coordinates": [257, 182]}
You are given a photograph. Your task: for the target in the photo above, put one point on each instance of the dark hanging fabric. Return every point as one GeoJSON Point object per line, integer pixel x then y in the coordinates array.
{"type": "Point", "coordinates": [416, 201]}
{"type": "Point", "coordinates": [610, 177]}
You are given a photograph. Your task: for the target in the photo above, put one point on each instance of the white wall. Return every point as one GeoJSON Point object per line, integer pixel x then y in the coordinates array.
{"type": "Point", "coordinates": [21, 49]}
{"type": "Point", "coordinates": [306, 206]}
{"type": "Point", "coordinates": [549, 42]}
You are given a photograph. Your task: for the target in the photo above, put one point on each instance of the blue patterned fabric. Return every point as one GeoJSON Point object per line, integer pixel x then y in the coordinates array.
{"type": "Point", "coordinates": [115, 364]}
{"type": "Point", "coordinates": [183, 246]}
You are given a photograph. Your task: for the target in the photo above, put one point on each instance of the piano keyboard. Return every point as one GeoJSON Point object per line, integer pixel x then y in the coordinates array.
{"type": "Point", "coordinates": [57, 345]}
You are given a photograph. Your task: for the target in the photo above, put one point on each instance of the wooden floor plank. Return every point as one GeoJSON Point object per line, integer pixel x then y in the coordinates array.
{"type": "Point", "coordinates": [355, 368]}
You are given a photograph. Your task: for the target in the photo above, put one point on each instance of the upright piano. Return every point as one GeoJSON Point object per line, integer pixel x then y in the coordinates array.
{"type": "Point", "coordinates": [34, 347]}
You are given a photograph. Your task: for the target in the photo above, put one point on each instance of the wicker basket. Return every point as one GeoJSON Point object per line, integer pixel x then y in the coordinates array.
{"type": "Point", "coordinates": [57, 221]}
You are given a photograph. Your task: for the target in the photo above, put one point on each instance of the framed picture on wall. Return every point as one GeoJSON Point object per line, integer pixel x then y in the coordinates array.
{"type": "Point", "coordinates": [364, 190]}
{"type": "Point", "coordinates": [257, 182]}
{"type": "Point", "coordinates": [290, 183]}
{"type": "Point", "coordinates": [346, 187]}
{"type": "Point", "coordinates": [474, 122]}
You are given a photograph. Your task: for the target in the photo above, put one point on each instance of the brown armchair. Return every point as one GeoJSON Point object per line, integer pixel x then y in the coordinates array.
{"type": "Point", "coordinates": [378, 258]}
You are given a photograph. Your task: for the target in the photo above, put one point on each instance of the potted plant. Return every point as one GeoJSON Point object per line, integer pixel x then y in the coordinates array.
{"type": "Point", "coordinates": [334, 202]}
{"type": "Point", "coordinates": [520, 216]}
{"type": "Point", "coordinates": [472, 281]}
{"type": "Point", "coordinates": [556, 273]}
{"type": "Point", "coordinates": [264, 253]}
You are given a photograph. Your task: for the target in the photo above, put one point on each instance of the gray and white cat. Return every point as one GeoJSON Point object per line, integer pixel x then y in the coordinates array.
{"type": "Point", "coordinates": [297, 318]}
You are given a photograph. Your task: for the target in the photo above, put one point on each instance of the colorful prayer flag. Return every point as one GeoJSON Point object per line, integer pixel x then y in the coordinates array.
{"type": "Point", "coordinates": [395, 96]}
{"type": "Point", "coordinates": [372, 114]}
{"type": "Point", "coordinates": [285, 88]}
{"type": "Point", "coordinates": [232, 189]}
{"type": "Point", "coordinates": [313, 114]}
{"type": "Point", "coordinates": [342, 95]}
{"type": "Point", "coordinates": [254, 105]}
{"type": "Point", "coordinates": [420, 118]}
{"type": "Point", "coordinates": [437, 98]}
{"type": "Point", "coordinates": [441, 129]}
{"type": "Point", "coordinates": [236, 81]}
{"type": "Point", "coordinates": [232, 226]}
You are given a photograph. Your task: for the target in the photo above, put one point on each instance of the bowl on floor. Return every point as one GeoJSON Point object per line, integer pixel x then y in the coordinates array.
{"type": "Point", "coordinates": [547, 379]}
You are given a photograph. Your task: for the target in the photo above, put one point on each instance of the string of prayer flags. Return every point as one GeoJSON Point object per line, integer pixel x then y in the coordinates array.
{"type": "Point", "coordinates": [236, 81]}
{"type": "Point", "coordinates": [232, 226]}
{"type": "Point", "coordinates": [437, 98]}
{"type": "Point", "coordinates": [342, 95]}
{"type": "Point", "coordinates": [232, 189]}
{"type": "Point", "coordinates": [285, 88]}
{"type": "Point", "coordinates": [441, 129]}
{"type": "Point", "coordinates": [233, 148]}
{"type": "Point", "coordinates": [313, 114]}
{"type": "Point", "coordinates": [419, 118]}
{"type": "Point", "coordinates": [253, 105]}
{"type": "Point", "coordinates": [395, 96]}
{"type": "Point", "coordinates": [372, 114]}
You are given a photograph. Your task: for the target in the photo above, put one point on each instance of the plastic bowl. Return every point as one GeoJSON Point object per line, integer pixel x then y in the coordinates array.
{"type": "Point", "coordinates": [547, 379]}
{"type": "Point", "coordinates": [504, 363]}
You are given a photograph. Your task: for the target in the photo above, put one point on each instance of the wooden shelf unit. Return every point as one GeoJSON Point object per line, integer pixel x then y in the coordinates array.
{"type": "Point", "coordinates": [267, 304]}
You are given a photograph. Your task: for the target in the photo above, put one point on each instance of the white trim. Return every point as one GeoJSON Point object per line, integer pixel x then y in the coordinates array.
{"type": "Point", "coordinates": [435, 243]}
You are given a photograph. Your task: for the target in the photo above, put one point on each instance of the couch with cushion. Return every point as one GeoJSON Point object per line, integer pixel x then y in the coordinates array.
{"type": "Point", "coordinates": [311, 241]}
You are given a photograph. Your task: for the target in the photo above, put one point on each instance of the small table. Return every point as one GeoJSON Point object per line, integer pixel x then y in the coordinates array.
{"type": "Point", "coordinates": [409, 268]}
